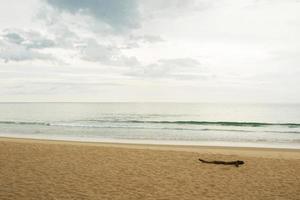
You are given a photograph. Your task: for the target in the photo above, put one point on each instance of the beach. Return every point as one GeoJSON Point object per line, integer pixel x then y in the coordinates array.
{"type": "Point", "coordinates": [44, 169]}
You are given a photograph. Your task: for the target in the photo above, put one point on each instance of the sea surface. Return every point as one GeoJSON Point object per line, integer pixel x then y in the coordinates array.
{"type": "Point", "coordinates": [252, 125]}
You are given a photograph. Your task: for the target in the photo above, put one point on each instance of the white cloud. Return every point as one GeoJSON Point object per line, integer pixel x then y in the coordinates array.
{"type": "Point", "coordinates": [20, 45]}
{"type": "Point", "coordinates": [108, 55]}
{"type": "Point", "coordinates": [119, 15]}
{"type": "Point", "coordinates": [222, 48]}
{"type": "Point", "coordinates": [180, 68]}
{"type": "Point", "coordinates": [16, 52]}
{"type": "Point", "coordinates": [28, 39]}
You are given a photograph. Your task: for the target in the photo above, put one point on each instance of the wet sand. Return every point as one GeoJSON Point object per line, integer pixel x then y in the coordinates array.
{"type": "Point", "coordinates": [40, 169]}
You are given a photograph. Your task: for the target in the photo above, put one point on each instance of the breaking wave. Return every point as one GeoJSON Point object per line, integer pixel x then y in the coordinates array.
{"type": "Point", "coordinates": [203, 123]}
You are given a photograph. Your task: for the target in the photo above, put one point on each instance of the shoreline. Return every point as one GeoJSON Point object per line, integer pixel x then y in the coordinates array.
{"type": "Point", "coordinates": [226, 150]}
{"type": "Point", "coordinates": [212, 143]}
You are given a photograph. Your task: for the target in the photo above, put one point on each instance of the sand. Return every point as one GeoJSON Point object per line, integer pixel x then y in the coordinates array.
{"type": "Point", "coordinates": [36, 169]}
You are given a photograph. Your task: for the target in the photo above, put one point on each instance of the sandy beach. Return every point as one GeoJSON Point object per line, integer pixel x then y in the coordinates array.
{"type": "Point", "coordinates": [37, 169]}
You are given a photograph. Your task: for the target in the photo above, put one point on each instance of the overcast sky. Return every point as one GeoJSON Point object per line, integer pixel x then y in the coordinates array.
{"type": "Point", "coordinates": [150, 50]}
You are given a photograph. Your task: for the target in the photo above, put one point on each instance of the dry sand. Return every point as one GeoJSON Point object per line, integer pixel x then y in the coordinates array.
{"type": "Point", "coordinates": [35, 169]}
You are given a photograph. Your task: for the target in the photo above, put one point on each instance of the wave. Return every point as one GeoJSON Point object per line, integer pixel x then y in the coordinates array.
{"type": "Point", "coordinates": [139, 127]}
{"type": "Point", "coordinates": [25, 123]}
{"type": "Point", "coordinates": [216, 123]}
{"type": "Point", "coordinates": [115, 124]}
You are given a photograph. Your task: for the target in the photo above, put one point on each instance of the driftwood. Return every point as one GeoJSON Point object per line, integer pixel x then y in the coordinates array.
{"type": "Point", "coordinates": [237, 163]}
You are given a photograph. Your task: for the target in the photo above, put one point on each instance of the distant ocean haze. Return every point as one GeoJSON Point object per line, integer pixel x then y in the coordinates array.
{"type": "Point", "coordinates": [259, 125]}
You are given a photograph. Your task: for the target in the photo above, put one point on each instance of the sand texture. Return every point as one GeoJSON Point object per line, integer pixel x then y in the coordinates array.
{"type": "Point", "coordinates": [40, 170]}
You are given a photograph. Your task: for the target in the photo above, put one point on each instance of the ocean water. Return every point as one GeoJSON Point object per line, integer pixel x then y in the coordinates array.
{"type": "Point", "coordinates": [253, 125]}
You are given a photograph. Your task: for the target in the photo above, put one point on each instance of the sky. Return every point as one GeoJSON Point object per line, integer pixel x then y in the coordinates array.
{"type": "Point", "coordinates": [150, 51]}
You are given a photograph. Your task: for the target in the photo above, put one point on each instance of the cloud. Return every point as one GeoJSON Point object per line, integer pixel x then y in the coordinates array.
{"type": "Point", "coordinates": [105, 54]}
{"type": "Point", "coordinates": [137, 41]}
{"type": "Point", "coordinates": [15, 52]}
{"type": "Point", "coordinates": [158, 9]}
{"type": "Point", "coordinates": [179, 68]}
{"type": "Point", "coordinates": [18, 45]}
{"type": "Point", "coordinates": [146, 38]}
{"type": "Point", "coordinates": [98, 31]}
{"type": "Point", "coordinates": [28, 39]}
{"type": "Point", "coordinates": [14, 38]}
{"type": "Point", "coordinates": [37, 41]}
{"type": "Point", "coordinates": [92, 28]}
{"type": "Point", "coordinates": [50, 88]}
{"type": "Point", "coordinates": [119, 15]}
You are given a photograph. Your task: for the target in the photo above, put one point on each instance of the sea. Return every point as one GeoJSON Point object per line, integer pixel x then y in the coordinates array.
{"type": "Point", "coordinates": [208, 124]}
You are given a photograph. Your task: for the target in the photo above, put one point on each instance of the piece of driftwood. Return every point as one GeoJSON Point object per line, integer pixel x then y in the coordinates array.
{"type": "Point", "coordinates": [237, 163]}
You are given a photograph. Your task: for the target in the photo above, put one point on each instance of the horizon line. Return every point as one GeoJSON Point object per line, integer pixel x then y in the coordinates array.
{"type": "Point", "coordinates": [187, 102]}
